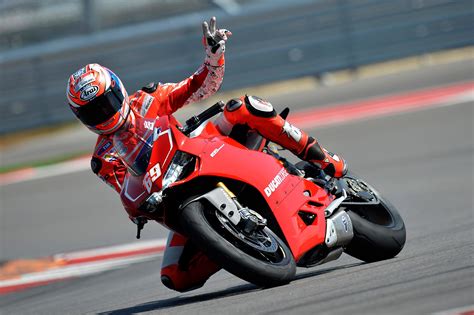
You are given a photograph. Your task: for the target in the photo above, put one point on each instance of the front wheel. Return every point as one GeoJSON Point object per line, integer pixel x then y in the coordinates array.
{"type": "Point", "coordinates": [379, 230]}
{"type": "Point", "coordinates": [259, 257]}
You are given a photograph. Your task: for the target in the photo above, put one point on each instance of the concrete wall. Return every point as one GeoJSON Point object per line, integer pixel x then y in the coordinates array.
{"type": "Point", "coordinates": [272, 41]}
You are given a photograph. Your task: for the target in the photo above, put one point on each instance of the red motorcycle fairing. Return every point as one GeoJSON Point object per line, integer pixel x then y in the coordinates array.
{"type": "Point", "coordinates": [134, 190]}
{"type": "Point", "coordinates": [223, 157]}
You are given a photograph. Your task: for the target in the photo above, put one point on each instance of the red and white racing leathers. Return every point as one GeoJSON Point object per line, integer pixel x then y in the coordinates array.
{"type": "Point", "coordinates": [164, 99]}
{"type": "Point", "coordinates": [158, 99]}
{"type": "Point", "coordinates": [184, 267]}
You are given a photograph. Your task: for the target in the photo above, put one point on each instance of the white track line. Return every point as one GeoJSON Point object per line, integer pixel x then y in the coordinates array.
{"type": "Point", "coordinates": [110, 250]}
{"type": "Point", "coordinates": [62, 168]}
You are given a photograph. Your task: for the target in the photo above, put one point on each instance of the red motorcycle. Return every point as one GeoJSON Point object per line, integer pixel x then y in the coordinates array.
{"type": "Point", "coordinates": [249, 209]}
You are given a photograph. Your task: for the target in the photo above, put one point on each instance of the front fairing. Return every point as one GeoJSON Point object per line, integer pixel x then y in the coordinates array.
{"type": "Point", "coordinates": [145, 149]}
{"type": "Point", "coordinates": [284, 193]}
{"type": "Point", "coordinates": [221, 157]}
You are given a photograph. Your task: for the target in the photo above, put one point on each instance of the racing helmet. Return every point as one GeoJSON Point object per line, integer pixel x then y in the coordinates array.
{"type": "Point", "coordinates": [98, 98]}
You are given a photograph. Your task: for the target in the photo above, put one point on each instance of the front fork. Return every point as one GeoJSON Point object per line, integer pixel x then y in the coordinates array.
{"type": "Point", "coordinates": [250, 220]}
{"type": "Point", "coordinates": [227, 204]}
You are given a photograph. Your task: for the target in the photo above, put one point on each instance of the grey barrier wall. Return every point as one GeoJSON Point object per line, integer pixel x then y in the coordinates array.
{"type": "Point", "coordinates": [273, 40]}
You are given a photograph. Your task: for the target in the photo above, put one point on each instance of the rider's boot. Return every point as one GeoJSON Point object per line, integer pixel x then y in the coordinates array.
{"type": "Point", "coordinates": [332, 164]}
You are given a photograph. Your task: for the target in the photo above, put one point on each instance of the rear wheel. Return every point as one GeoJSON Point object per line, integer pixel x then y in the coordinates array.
{"type": "Point", "coordinates": [259, 257]}
{"type": "Point", "coordinates": [379, 230]}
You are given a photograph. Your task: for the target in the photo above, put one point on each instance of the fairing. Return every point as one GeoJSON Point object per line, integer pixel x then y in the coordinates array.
{"type": "Point", "coordinates": [220, 156]}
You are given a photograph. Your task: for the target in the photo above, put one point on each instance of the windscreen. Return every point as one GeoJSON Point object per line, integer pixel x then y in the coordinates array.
{"type": "Point", "coordinates": [134, 143]}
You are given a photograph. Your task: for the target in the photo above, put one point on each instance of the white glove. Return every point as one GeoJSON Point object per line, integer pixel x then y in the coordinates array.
{"type": "Point", "coordinates": [214, 42]}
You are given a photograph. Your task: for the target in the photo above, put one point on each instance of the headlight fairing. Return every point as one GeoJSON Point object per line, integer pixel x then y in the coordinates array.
{"type": "Point", "coordinates": [180, 167]}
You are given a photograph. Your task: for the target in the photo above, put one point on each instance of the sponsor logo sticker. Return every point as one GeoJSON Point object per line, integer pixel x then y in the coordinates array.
{"type": "Point", "coordinates": [78, 73]}
{"type": "Point", "coordinates": [276, 182]}
{"type": "Point", "coordinates": [214, 153]}
{"type": "Point", "coordinates": [104, 148]}
{"type": "Point", "coordinates": [148, 125]}
{"type": "Point", "coordinates": [345, 223]}
{"type": "Point", "coordinates": [147, 101]}
{"type": "Point", "coordinates": [89, 92]}
{"type": "Point", "coordinates": [109, 157]}
{"type": "Point", "coordinates": [88, 79]}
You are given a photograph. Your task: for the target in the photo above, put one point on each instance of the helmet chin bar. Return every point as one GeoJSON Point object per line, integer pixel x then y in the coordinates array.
{"type": "Point", "coordinates": [123, 122]}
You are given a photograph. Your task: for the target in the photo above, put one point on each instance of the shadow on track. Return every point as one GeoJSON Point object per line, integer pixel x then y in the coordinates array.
{"type": "Point", "coordinates": [313, 273]}
{"type": "Point", "coordinates": [240, 289]}
{"type": "Point", "coordinates": [177, 301]}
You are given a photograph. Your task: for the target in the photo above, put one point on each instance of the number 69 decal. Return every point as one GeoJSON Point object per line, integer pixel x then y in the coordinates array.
{"type": "Point", "coordinates": [152, 175]}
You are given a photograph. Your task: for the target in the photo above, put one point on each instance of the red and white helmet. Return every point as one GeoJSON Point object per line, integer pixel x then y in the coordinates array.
{"type": "Point", "coordinates": [98, 98]}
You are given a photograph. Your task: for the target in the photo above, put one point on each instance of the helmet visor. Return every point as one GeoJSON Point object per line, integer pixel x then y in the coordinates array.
{"type": "Point", "coordinates": [102, 108]}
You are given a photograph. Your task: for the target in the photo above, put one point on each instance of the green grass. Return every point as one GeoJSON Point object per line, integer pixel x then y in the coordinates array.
{"type": "Point", "coordinates": [50, 161]}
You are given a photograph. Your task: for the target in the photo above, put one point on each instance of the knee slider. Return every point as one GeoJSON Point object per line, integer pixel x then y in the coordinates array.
{"type": "Point", "coordinates": [259, 107]}
{"type": "Point", "coordinates": [167, 282]}
{"type": "Point", "coordinates": [96, 165]}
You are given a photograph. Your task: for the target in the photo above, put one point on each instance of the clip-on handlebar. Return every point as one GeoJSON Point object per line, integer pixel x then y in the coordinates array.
{"type": "Point", "coordinates": [194, 122]}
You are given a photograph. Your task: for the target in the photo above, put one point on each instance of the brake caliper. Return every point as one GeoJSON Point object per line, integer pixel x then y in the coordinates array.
{"type": "Point", "coordinates": [251, 220]}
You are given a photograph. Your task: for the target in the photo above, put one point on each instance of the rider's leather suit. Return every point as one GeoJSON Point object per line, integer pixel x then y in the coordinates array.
{"type": "Point", "coordinates": [183, 267]}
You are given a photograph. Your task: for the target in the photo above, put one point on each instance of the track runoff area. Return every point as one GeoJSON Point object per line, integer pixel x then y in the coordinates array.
{"type": "Point", "coordinates": [18, 275]}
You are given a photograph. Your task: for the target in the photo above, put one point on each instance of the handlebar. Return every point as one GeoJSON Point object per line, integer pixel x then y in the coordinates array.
{"type": "Point", "coordinates": [194, 122]}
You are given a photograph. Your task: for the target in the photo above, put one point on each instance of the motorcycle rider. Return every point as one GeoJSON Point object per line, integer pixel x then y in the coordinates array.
{"type": "Point", "coordinates": [99, 100]}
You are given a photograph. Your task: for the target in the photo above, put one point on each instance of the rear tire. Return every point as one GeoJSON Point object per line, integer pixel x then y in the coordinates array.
{"type": "Point", "coordinates": [208, 233]}
{"type": "Point", "coordinates": [379, 231]}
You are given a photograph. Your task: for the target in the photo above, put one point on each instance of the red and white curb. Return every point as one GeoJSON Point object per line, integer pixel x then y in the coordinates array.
{"type": "Point", "coordinates": [78, 264]}
{"type": "Point", "coordinates": [384, 106]}
{"type": "Point", "coordinates": [75, 165]}
{"type": "Point", "coordinates": [466, 310]}
{"type": "Point", "coordinates": [316, 117]}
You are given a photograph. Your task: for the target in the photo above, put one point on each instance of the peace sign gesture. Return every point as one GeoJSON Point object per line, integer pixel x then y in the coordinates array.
{"type": "Point", "coordinates": [214, 41]}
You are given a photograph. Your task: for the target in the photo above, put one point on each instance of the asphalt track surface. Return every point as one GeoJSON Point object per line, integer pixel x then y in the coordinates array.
{"type": "Point", "coordinates": [422, 161]}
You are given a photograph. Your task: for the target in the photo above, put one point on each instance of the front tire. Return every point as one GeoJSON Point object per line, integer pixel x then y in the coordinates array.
{"type": "Point", "coordinates": [208, 232]}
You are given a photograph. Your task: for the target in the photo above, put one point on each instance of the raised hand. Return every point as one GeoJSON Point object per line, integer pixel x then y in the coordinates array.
{"type": "Point", "coordinates": [214, 42]}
